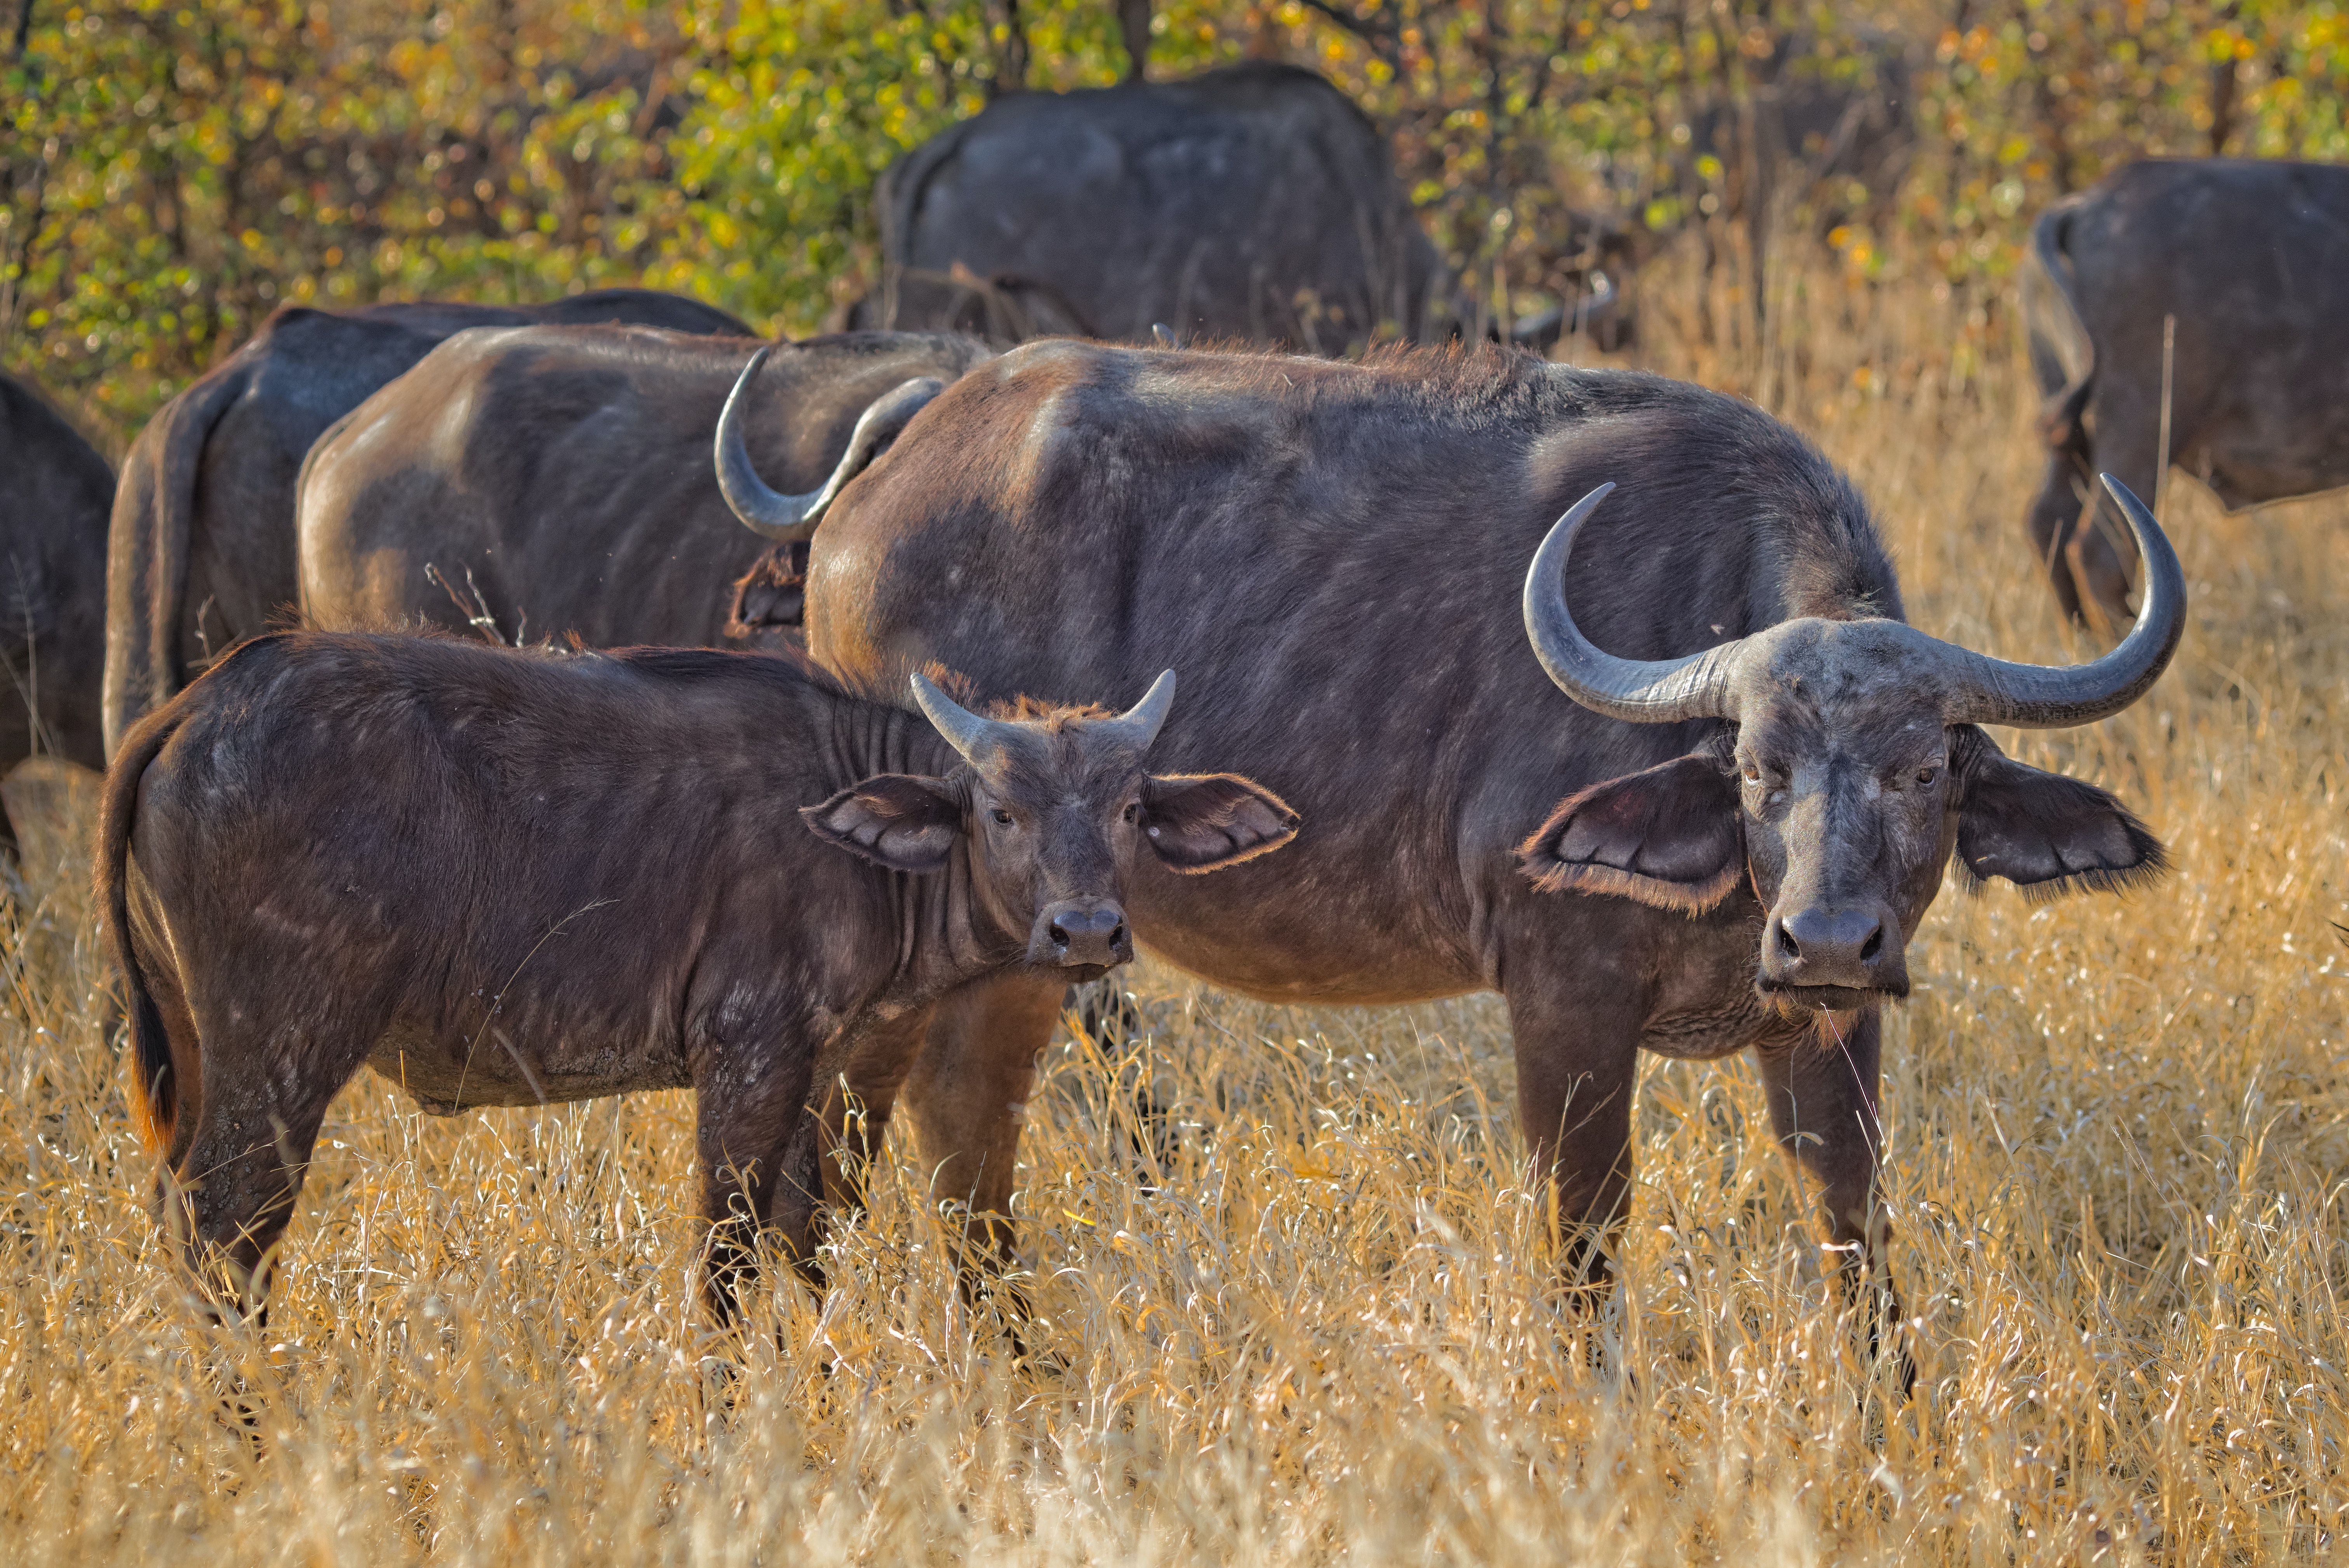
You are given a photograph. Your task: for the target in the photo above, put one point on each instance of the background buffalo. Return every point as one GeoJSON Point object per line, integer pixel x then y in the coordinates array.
{"type": "Point", "coordinates": [200, 554]}
{"type": "Point", "coordinates": [54, 493]}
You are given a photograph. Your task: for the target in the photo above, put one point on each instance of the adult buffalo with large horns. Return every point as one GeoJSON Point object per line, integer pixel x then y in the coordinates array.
{"type": "Point", "coordinates": [1763, 777]}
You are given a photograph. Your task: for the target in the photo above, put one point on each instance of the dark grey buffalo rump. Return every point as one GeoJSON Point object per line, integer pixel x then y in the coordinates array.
{"type": "Point", "coordinates": [1251, 203]}
{"type": "Point", "coordinates": [54, 493]}
{"type": "Point", "coordinates": [2249, 260]}
{"type": "Point", "coordinates": [536, 482]}
{"type": "Point", "coordinates": [1337, 555]}
{"type": "Point", "coordinates": [200, 548]}
{"type": "Point", "coordinates": [504, 877]}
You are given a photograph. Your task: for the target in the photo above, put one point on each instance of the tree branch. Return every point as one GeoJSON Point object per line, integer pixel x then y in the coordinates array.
{"type": "Point", "coordinates": [1383, 30]}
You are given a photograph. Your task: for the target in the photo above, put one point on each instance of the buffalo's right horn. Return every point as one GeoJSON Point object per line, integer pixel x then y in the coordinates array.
{"type": "Point", "coordinates": [791, 519]}
{"type": "Point", "coordinates": [1645, 691]}
{"type": "Point", "coordinates": [2040, 697]}
{"type": "Point", "coordinates": [971, 736]}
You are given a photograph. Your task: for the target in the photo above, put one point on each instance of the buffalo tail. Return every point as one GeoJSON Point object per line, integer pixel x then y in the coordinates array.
{"type": "Point", "coordinates": [154, 1092]}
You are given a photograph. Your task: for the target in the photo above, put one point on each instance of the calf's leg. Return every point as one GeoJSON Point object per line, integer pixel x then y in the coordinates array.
{"type": "Point", "coordinates": [968, 1092]}
{"type": "Point", "coordinates": [1822, 1089]}
{"type": "Point", "coordinates": [239, 1166]}
{"type": "Point", "coordinates": [858, 1102]}
{"type": "Point", "coordinates": [757, 1144]}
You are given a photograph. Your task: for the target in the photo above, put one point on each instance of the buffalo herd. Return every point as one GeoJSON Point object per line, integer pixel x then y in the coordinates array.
{"type": "Point", "coordinates": [831, 730]}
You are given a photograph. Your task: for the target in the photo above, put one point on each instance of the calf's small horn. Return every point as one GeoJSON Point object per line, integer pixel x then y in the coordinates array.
{"type": "Point", "coordinates": [1645, 691]}
{"type": "Point", "coordinates": [791, 519]}
{"type": "Point", "coordinates": [1138, 725]}
{"type": "Point", "coordinates": [2044, 696]}
{"type": "Point", "coordinates": [972, 736]}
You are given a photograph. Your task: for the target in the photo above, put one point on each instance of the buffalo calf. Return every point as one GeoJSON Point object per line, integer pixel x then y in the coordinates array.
{"type": "Point", "coordinates": [507, 877]}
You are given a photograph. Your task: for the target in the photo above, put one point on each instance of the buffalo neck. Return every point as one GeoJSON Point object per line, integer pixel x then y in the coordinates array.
{"type": "Point", "coordinates": [939, 931]}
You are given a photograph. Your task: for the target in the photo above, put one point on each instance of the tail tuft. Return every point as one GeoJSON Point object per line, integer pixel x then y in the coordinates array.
{"type": "Point", "coordinates": [154, 1087]}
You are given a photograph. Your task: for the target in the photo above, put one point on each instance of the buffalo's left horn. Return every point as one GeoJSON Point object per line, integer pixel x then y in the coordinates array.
{"type": "Point", "coordinates": [2042, 697]}
{"type": "Point", "coordinates": [1139, 725]}
{"type": "Point", "coordinates": [1645, 691]}
{"type": "Point", "coordinates": [969, 734]}
{"type": "Point", "coordinates": [791, 519]}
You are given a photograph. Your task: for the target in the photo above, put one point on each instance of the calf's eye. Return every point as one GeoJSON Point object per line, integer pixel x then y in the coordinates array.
{"type": "Point", "coordinates": [1001, 815]}
{"type": "Point", "coordinates": [1133, 812]}
{"type": "Point", "coordinates": [1753, 774]}
{"type": "Point", "coordinates": [1927, 776]}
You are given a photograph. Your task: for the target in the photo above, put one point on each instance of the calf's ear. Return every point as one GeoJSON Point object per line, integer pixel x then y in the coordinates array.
{"type": "Point", "coordinates": [1669, 836]}
{"type": "Point", "coordinates": [1202, 822]}
{"type": "Point", "coordinates": [901, 821]}
{"type": "Point", "coordinates": [2046, 833]}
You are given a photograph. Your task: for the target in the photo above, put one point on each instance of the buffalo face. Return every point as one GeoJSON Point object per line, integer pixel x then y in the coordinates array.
{"type": "Point", "coordinates": [1052, 811]}
{"type": "Point", "coordinates": [1848, 768]}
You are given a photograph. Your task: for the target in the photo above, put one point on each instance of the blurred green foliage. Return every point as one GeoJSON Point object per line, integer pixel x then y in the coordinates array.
{"type": "Point", "coordinates": [170, 171]}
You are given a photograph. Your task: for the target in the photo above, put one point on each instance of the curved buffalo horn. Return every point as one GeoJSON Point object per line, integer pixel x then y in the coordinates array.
{"type": "Point", "coordinates": [1662, 692]}
{"type": "Point", "coordinates": [969, 734]}
{"type": "Point", "coordinates": [2040, 697]}
{"type": "Point", "coordinates": [1138, 725]}
{"type": "Point", "coordinates": [791, 519]}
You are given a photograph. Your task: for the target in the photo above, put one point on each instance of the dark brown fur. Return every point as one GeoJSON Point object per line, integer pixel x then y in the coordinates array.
{"type": "Point", "coordinates": [1333, 554]}
{"type": "Point", "coordinates": [200, 548]}
{"type": "Point", "coordinates": [1252, 203]}
{"type": "Point", "coordinates": [54, 494]}
{"type": "Point", "coordinates": [510, 878]}
{"type": "Point", "coordinates": [2250, 258]}
{"type": "Point", "coordinates": [557, 479]}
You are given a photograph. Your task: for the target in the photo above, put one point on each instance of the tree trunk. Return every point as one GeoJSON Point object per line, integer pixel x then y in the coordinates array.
{"type": "Point", "coordinates": [1133, 21]}
{"type": "Point", "coordinates": [1011, 55]}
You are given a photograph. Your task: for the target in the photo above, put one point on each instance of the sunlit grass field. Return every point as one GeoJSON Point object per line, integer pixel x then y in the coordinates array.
{"type": "Point", "coordinates": [2119, 1137]}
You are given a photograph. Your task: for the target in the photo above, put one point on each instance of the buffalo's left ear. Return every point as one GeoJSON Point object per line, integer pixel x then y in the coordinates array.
{"type": "Point", "coordinates": [1204, 822]}
{"type": "Point", "coordinates": [2046, 833]}
{"type": "Point", "coordinates": [903, 821]}
{"type": "Point", "coordinates": [1668, 835]}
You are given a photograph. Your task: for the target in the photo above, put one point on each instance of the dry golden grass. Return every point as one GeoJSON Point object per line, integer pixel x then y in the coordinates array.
{"type": "Point", "coordinates": [2119, 1135]}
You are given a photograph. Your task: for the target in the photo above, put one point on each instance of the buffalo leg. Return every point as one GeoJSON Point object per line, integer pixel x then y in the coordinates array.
{"type": "Point", "coordinates": [239, 1169]}
{"type": "Point", "coordinates": [2101, 551]}
{"type": "Point", "coordinates": [2054, 517]}
{"type": "Point", "coordinates": [857, 1106]}
{"type": "Point", "coordinates": [968, 1092]}
{"type": "Point", "coordinates": [759, 1151]}
{"type": "Point", "coordinates": [1576, 1067]}
{"type": "Point", "coordinates": [1822, 1088]}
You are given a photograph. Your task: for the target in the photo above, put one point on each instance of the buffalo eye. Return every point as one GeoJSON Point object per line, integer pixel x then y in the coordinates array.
{"type": "Point", "coordinates": [1927, 776]}
{"type": "Point", "coordinates": [1133, 812]}
{"type": "Point", "coordinates": [1001, 815]}
{"type": "Point", "coordinates": [1752, 771]}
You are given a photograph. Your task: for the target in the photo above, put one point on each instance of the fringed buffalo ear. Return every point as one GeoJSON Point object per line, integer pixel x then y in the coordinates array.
{"type": "Point", "coordinates": [898, 820]}
{"type": "Point", "coordinates": [2046, 833]}
{"type": "Point", "coordinates": [1202, 822]}
{"type": "Point", "coordinates": [1670, 837]}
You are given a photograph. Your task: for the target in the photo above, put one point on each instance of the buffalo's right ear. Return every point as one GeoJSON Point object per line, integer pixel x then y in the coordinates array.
{"type": "Point", "coordinates": [1668, 837]}
{"type": "Point", "coordinates": [903, 821]}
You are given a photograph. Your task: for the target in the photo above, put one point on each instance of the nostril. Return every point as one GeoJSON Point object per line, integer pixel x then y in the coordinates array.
{"type": "Point", "coordinates": [1873, 946]}
{"type": "Point", "coordinates": [1117, 937]}
{"type": "Point", "coordinates": [1787, 944]}
{"type": "Point", "coordinates": [1059, 935]}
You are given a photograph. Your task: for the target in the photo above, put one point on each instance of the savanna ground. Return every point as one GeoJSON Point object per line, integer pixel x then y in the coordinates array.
{"type": "Point", "coordinates": [2119, 1136]}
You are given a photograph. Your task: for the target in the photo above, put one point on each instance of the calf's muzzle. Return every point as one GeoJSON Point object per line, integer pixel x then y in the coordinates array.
{"type": "Point", "coordinates": [1080, 933]}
